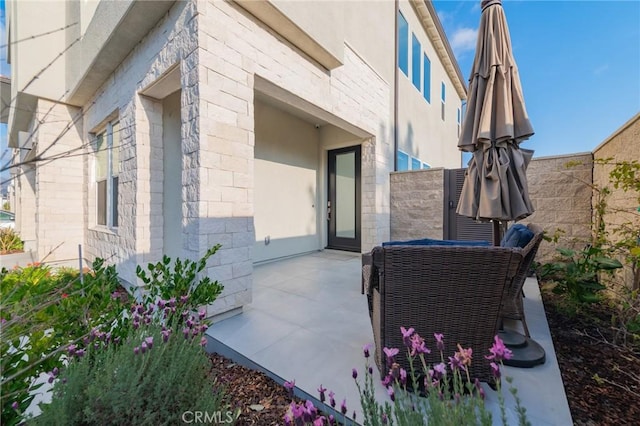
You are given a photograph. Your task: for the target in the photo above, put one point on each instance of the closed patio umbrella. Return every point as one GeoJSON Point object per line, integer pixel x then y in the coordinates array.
{"type": "Point", "coordinates": [496, 122]}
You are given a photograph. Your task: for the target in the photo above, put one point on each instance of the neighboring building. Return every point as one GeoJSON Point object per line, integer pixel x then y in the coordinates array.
{"type": "Point", "coordinates": [270, 127]}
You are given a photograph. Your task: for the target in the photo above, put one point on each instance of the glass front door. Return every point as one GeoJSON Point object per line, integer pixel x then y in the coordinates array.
{"type": "Point", "coordinates": [343, 205]}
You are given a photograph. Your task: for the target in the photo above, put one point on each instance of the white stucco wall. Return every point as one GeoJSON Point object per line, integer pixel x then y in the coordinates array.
{"type": "Point", "coordinates": [422, 132]}
{"type": "Point", "coordinates": [286, 203]}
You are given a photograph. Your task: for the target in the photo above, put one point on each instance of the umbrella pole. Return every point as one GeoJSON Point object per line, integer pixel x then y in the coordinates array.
{"type": "Point", "coordinates": [496, 232]}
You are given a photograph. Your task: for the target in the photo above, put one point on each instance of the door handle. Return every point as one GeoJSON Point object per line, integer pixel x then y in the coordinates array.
{"type": "Point", "coordinates": [328, 210]}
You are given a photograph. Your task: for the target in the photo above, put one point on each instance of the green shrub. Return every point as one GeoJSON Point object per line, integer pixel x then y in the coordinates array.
{"type": "Point", "coordinates": [126, 384]}
{"type": "Point", "coordinates": [180, 280]}
{"type": "Point", "coordinates": [10, 241]}
{"type": "Point", "coordinates": [577, 273]}
{"type": "Point", "coordinates": [42, 312]}
{"type": "Point", "coordinates": [45, 311]}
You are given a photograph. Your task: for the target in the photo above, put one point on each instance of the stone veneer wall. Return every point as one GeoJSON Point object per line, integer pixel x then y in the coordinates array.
{"type": "Point", "coordinates": [623, 145]}
{"type": "Point", "coordinates": [417, 207]}
{"type": "Point", "coordinates": [560, 190]}
{"type": "Point", "coordinates": [135, 241]}
{"type": "Point", "coordinates": [561, 196]}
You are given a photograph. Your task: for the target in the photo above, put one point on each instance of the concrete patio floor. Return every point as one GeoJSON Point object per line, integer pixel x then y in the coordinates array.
{"type": "Point", "coordinates": [308, 322]}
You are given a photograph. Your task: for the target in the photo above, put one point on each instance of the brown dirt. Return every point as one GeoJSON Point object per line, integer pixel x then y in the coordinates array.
{"type": "Point", "coordinates": [602, 380]}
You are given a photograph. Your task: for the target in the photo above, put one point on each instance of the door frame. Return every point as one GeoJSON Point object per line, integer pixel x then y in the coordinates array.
{"type": "Point", "coordinates": [333, 241]}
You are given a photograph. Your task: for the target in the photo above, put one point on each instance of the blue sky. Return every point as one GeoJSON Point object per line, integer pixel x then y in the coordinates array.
{"type": "Point", "coordinates": [579, 65]}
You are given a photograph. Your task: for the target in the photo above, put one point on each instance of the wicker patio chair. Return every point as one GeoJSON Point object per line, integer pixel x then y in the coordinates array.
{"type": "Point", "coordinates": [512, 302]}
{"type": "Point", "coordinates": [454, 290]}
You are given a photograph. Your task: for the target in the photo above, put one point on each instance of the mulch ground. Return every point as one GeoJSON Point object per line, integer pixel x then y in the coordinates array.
{"type": "Point", "coordinates": [601, 379]}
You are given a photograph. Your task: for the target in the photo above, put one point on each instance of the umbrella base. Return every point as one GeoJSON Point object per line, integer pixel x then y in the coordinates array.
{"type": "Point", "coordinates": [526, 352]}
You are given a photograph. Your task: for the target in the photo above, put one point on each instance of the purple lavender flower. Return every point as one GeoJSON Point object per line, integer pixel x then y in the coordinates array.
{"type": "Point", "coordinates": [135, 324]}
{"type": "Point", "coordinates": [172, 302]}
{"type": "Point", "coordinates": [390, 353]}
{"type": "Point", "coordinates": [387, 381]}
{"type": "Point", "coordinates": [201, 314]}
{"type": "Point", "coordinates": [495, 370]}
{"type": "Point", "coordinates": [332, 420]}
{"type": "Point", "coordinates": [370, 370]}
{"type": "Point", "coordinates": [15, 405]}
{"type": "Point", "coordinates": [439, 341]}
{"type": "Point", "coordinates": [186, 332]}
{"type": "Point", "coordinates": [165, 335]}
{"type": "Point", "coordinates": [311, 410]}
{"type": "Point", "coordinates": [297, 410]}
{"type": "Point", "coordinates": [136, 350]}
{"type": "Point", "coordinates": [343, 407]}
{"type": "Point", "coordinates": [143, 347]}
{"type": "Point", "coordinates": [140, 309]}
{"type": "Point", "coordinates": [439, 370]}
{"type": "Point", "coordinates": [203, 342]}
{"type": "Point", "coordinates": [366, 348]}
{"type": "Point", "coordinates": [203, 328]}
{"type": "Point", "coordinates": [319, 421]}
{"type": "Point", "coordinates": [498, 350]}
{"type": "Point", "coordinates": [332, 401]}
{"type": "Point", "coordinates": [161, 304]}
{"type": "Point", "coordinates": [354, 373]}
{"type": "Point", "coordinates": [289, 385]}
{"type": "Point", "coordinates": [384, 418]}
{"type": "Point", "coordinates": [391, 393]}
{"type": "Point", "coordinates": [455, 363]}
{"type": "Point", "coordinates": [403, 376]}
{"type": "Point", "coordinates": [321, 391]}
{"type": "Point", "coordinates": [149, 341]}
{"type": "Point", "coordinates": [418, 346]}
{"type": "Point", "coordinates": [406, 335]}
{"type": "Point", "coordinates": [80, 353]}
{"type": "Point", "coordinates": [184, 299]}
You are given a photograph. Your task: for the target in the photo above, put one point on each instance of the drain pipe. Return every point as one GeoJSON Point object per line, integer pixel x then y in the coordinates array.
{"type": "Point", "coordinates": [396, 133]}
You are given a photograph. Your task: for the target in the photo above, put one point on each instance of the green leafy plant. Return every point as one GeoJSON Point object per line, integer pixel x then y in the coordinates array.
{"type": "Point", "coordinates": [10, 241]}
{"type": "Point", "coordinates": [166, 281]}
{"type": "Point", "coordinates": [43, 311]}
{"type": "Point", "coordinates": [576, 273]}
{"type": "Point", "coordinates": [154, 377]}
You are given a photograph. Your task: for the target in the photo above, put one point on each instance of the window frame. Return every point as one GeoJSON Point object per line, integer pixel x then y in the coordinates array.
{"type": "Point", "coordinates": [405, 157]}
{"type": "Point", "coordinates": [426, 77]}
{"type": "Point", "coordinates": [403, 38]}
{"type": "Point", "coordinates": [416, 164]}
{"type": "Point", "coordinates": [443, 95]}
{"type": "Point", "coordinates": [107, 211]}
{"type": "Point", "coordinates": [416, 63]}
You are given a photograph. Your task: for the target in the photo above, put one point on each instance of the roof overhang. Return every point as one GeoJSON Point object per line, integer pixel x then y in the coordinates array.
{"type": "Point", "coordinates": [429, 17]}
{"type": "Point", "coordinates": [136, 20]}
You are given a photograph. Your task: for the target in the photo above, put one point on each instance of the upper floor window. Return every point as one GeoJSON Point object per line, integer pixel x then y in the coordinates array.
{"type": "Point", "coordinates": [403, 161]}
{"type": "Point", "coordinates": [443, 97]}
{"type": "Point", "coordinates": [403, 44]}
{"type": "Point", "coordinates": [426, 85]}
{"type": "Point", "coordinates": [107, 171]}
{"type": "Point", "coordinates": [415, 163]}
{"type": "Point", "coordinates": [416, 64]}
